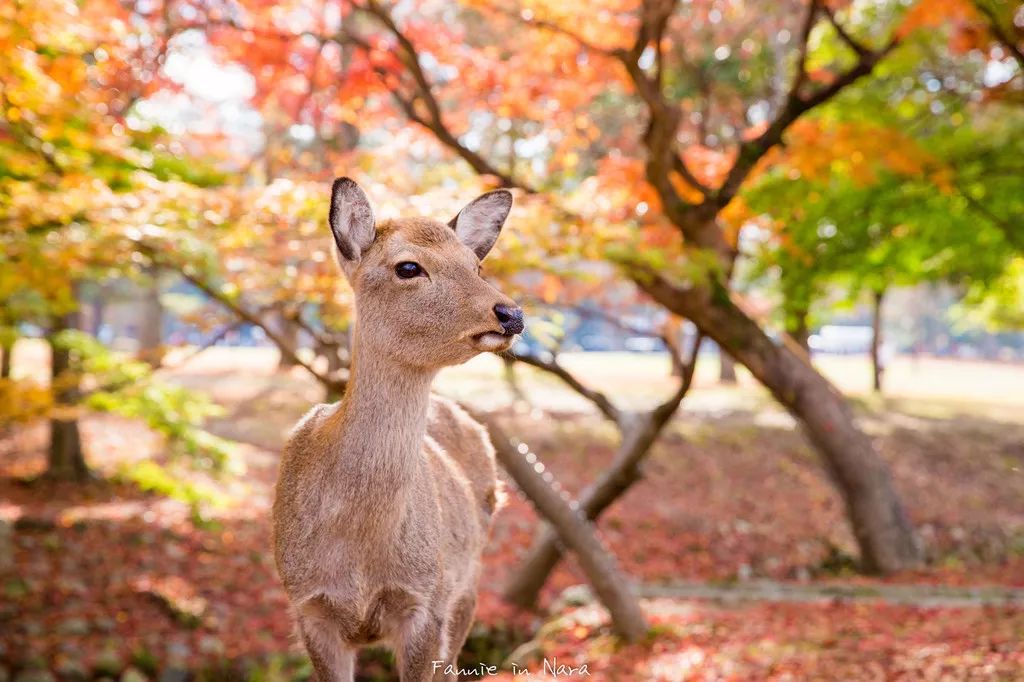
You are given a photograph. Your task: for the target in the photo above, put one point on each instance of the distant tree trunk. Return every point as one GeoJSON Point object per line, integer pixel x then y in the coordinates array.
{"type": "Point", "coordinates": [877, 362]}
{"type": "Point", "coordinates": [65, 460]}
{"type": "Point", "coordinates": [337, 363]}
{"type": "Point", "coordinates": [151, 327]}
{"type": "Point", "coordinates": [798, 329]}
{"type": "Point", "coordinates": [603, 574]}
{"type": "Point", "coordinates": [288, 333]}
{"type": "Point", "coordinates": [726, 367]}
{"type": "Point", "coordinates": [883, 532]}
{"type": "Point", "coordinates": [6, 355]}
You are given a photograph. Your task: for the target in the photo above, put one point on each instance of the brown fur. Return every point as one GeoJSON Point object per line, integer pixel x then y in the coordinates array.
{"type": "Point", "coordinates": [384, 500]}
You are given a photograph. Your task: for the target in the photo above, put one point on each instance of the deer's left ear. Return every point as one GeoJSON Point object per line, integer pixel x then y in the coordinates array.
{"type": "Point", "coordinates": [477, 225]}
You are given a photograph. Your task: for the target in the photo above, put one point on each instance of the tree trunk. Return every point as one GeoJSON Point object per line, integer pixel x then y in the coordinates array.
{"type": "Point", "coordinates": [336, 366]}
{"type": "Point", "coordinates": [608, 582]}
{"type": "Point", "coordinates": [65, 460]}
{"type": "Point", "coordinates": [726, 367]}
{"type": "Point", "coordinates": [883, 532]}
{"type": "Point", "coordinates": [877, 366]}
{"type": "Point", "coordinates": [6, 355]}
{"type": "Point", "coordinates": [525, 586]}
{"type": "Point", "coordinates": [799, 331]}
{"type": "Point", "coordinates": [289, 334]}
{"type": "Point", "coordinates": [151, 328]}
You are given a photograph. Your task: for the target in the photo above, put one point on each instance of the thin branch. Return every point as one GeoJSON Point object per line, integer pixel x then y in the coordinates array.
{"type": "Point", "coordinates": [599, 399]}
{"type": "Point", "coordinates": [27, 137]}
{"type": "Point", "coordinates": [663, 116]}
{"type": "Point", "coordinates": [668, 408]}
{"type": "Point", "coordinates": [206, 345]}
{"type": "Point", "coordinates": [796, 105]}
{"type": "Point", "coordinates": [593, 313]}
{"type": "Point", "coordinates": [1014, 234]}
{"type": "Point", "coordinates": [680, 167]}
{"type": "Point", "coordinates": [844, 35]}
{"type": "Point", "coordinates": [554, 27]}
{"type": "Point", "coordinates": [801, 60]}
{"type": "Point", "coordinates": [434, 122]}
{"type": "Point", "coordinates": [331, 383]}
{"type": "Point", "coordinates": [311, 86]}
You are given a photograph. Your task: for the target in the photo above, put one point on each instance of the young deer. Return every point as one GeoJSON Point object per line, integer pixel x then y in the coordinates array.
{"type": "Point", "coordinates": [384, 500]}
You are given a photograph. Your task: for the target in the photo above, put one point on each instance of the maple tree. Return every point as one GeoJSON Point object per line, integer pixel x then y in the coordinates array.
{"type": "Point", "coordinates": [78, 189]}
{"type": "Point", "coordinates": [923, 192]}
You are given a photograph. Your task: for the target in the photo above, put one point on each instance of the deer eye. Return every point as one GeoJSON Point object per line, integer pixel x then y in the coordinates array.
{"type": "Point", "coordinates": [407, 270]}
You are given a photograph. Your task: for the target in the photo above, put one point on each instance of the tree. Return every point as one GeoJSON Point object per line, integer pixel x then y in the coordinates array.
{"type": "Point", "coordinates": [901, 215]}
{"type": "Point", "coordinates": [70, 171]}
{"type": "Point", "coordinates": [65, 459]}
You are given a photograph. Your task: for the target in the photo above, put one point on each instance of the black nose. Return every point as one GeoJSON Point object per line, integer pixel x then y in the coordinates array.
{"type": "Point", "coordinates": [510, 318]}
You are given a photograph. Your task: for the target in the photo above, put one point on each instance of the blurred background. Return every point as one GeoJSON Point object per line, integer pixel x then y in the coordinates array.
{"type": "Point", "coordinates": [772, 259]}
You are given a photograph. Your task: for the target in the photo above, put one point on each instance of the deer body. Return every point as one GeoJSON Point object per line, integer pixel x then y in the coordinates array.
{"type": "Point", "coordinates": [384, 500]}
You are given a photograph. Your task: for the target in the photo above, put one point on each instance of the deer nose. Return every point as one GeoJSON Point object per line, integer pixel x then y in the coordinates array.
{"type": "Point", "coordinates": [510, 318]}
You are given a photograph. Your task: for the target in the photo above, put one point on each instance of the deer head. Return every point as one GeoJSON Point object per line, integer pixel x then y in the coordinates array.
{"type": "Point", "coordinates": [420, 298]}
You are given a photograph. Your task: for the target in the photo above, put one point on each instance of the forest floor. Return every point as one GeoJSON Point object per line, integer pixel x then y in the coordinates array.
{"type": "Point", "coordinates": [737, 537]}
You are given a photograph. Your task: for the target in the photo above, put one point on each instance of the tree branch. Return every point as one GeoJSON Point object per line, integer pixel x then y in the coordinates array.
{"type": "Point", "coordinates": [667, 409]}
{"type": "Point", "coordinates": [610, 584]}
{"type": "Point", "coordinates": [844, 35]}
{"type": "Point", "coordinates": [206, 345]}
{"type": "Point", "coordinates": [554, 27]}
{"type": "Point", "coordinates": [801, 59]}
{"type": "Point", "coordinates": [434, 122]}
{"type": "Point", "coordinates": [796, 105]}
{"type": "Point", "coordinates": [1014, 234]}
{"type": "Point", "coordinates": [680, 167]}
{"type": "Point", "coordinates": [599, 399]}
{"type": "Point", "coordinates": [331, 383]}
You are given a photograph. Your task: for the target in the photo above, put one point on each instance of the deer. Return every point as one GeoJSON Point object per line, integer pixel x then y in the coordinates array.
{"type": "Point", "coordinates": [384, 500]}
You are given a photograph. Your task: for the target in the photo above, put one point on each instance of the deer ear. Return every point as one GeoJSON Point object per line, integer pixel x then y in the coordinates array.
{"type": "Point", "coordinates": [478, 224]}
{"type": "Point", "coordinates": [351, 220]}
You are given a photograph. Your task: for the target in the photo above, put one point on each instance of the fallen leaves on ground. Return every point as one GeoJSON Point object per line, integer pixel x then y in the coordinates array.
{"type": "Point", "coordinates": [102, 576]}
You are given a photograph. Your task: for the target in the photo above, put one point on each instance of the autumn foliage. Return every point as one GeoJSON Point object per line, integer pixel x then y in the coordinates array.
{"type": "Point", "coordinates": [744, 168]}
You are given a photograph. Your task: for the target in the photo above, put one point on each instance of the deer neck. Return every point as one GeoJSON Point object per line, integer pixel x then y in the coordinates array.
{"type": "Point", "coordinates": [383, 417]}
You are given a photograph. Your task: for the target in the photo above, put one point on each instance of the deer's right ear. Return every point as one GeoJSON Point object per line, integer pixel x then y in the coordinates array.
{"type": "Point", "coordinates": [351, 220]}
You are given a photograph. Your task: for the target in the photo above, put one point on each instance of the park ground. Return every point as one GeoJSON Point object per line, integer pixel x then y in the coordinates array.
{"type": "Point", "coordinates": [102, 578]}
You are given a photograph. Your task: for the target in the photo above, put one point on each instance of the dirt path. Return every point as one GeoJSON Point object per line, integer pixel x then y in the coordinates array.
{"type": "Point", "coordinates": [924, 596]}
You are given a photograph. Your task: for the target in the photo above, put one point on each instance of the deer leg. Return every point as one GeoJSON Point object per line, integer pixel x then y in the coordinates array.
{"type": "Point", "coordinates": [333, 660]}
{"type": "Point", "coordinates": [460, 620]}
{"type": "Point", "coordinates": [419, 651]}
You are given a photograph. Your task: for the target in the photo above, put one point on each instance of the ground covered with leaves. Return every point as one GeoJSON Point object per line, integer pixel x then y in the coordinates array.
{"type": "Point", "coordinates": [102, 578]}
